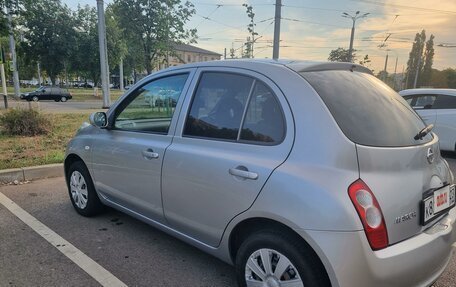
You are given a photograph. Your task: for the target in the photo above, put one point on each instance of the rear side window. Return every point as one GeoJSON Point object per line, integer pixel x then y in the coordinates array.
{"type": "Point", "coordinates": [367, 111]}
{"type": "Point", "coordinates": [218, 106]}
{"type": "Point", "coordinates": [264, 118]}
{"type": "Point", "coordinates": [445, 102]}
{"type": "Point", "coordinates": [224, 102]}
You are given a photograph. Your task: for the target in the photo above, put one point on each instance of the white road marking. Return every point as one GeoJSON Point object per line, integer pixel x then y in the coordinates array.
{"type": "Point", "coordinates": [95, 270]}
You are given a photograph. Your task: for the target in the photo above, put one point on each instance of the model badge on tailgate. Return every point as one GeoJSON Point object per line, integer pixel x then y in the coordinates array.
{"type": "Point", "coordinates": [405, 217]}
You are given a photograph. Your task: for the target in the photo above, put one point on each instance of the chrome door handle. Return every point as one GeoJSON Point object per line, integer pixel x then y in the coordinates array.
{"type": "Point", "coordinates": [243, 172]}
{"type": "Point", "coordinates": [149, 154]}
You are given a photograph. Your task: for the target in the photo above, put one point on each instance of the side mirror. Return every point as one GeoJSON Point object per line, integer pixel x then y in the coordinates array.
{"type": "Point", "coordinates": [98, 119]}
{"type": "Point", "coordinates": [43, 91]}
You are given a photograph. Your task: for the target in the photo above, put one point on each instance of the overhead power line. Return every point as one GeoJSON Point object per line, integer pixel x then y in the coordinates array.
{"type": "Point", "coordinates": [407, 7]}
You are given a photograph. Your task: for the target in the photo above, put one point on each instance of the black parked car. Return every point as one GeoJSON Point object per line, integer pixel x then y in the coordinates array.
{"type": "Point", "coordinates": [47, 93]}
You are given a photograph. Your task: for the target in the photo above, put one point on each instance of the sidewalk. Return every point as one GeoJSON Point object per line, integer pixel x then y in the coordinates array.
{"type": "Point", "coordinates": [17, 175]}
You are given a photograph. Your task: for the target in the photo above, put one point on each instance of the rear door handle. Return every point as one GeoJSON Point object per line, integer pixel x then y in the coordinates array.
{"type": "Point", "coordinates": [242, 171]}
{"type": "Point", "coordinates": [149, 154]}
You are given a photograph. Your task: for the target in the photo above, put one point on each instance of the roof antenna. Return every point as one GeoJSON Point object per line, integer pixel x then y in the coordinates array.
{"type": "Point", "coordinates": [352, 68]}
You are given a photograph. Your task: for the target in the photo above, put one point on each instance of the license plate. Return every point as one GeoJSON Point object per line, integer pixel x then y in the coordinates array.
{"type": "Point", "coordinates": [437, 202]}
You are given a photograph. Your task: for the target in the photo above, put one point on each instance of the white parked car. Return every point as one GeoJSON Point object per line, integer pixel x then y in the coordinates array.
{"type": "Point", "coordinates": [437, 107]}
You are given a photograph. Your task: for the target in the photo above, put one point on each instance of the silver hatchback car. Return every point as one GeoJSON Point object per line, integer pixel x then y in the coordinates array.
{"type": "Point", "coordinates": [298, 173]}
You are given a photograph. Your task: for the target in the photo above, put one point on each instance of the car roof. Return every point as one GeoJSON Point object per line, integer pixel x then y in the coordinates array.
{"type": "Point", "coordinates": [295, 65]}
{"type": "Point", "coordinates": [449, 92]}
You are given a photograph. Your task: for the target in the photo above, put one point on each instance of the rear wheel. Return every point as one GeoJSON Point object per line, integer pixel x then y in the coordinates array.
{"type": "Point", "coordinates": [82, 191]}
{"type": "Point", "coordinates": [63, 99]}
{"type": "Point", "coordinates": [270, 258]}
{"type": "Point", "coordinates": [35, 99]}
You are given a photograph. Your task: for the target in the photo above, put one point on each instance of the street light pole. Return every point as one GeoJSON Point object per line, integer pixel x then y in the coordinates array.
{"type": "Point", "coordinates": [278, 15]}
{"type": "Point", "coordinates": [12, 42]}
{"type": "Point", "coordinates": [353, 18]}
{"type": "Point", "coordinates": [103, 55]}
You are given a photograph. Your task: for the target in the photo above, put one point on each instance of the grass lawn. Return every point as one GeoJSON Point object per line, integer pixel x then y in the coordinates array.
{"type": "Point", "coordinates": [21, 151]}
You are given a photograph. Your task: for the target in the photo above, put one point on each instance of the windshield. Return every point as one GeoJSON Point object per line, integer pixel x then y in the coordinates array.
{"type": "Point", "coordinates": [39, 89]}
{"type": "Point", "coordinates": [367, 110]}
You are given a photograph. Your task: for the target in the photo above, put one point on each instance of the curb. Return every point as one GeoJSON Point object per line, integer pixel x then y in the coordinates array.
{"type": "Point", "coordinates": [31, 173]}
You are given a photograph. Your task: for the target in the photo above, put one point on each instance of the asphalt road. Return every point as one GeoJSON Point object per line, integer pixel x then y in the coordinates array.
{"type": "Point", "coordinates": [57, 107]}
{"type": "Point", "coordinates": [135, 253]}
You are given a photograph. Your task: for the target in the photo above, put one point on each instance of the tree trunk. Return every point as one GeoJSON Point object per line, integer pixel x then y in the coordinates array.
{"type": "Point", "coordinates": [53, 78]}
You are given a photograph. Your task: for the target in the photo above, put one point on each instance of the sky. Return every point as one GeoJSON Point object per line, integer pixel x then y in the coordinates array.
{"type": "Point", "coordinates": [311, 29]}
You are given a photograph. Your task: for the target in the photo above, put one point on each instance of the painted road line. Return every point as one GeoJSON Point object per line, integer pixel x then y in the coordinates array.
{"type": "Point", "coordinates": [95, 270]}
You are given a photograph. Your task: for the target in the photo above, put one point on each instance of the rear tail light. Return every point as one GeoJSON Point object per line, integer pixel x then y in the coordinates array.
{"type": "Point", "coordinates": [370, 213]}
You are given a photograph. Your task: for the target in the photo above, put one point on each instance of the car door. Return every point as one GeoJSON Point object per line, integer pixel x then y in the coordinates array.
{"type": "Point", "coordinates": [128, 156]}
{"type": "Point", "coordinates": [214, 169]}
{"type": "Point", "coordinates": [55, 95]}
{"type": "Point", "coordinates": [44, 94]}
{"type": "Point", "coordinates": [445, 121]}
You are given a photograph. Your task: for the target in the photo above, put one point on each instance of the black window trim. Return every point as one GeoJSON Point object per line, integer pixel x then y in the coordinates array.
{"type": "Point", "coordinates": [238, 140]}
{"type": "Point", "coordinates": [131, 96]}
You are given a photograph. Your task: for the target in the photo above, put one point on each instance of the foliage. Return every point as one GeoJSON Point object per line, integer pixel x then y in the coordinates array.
{"type": "Point", "coordinates": [451, 77]}
{"type": "Point", "coordinates": [342, 55]}
{"type": "Point", "coordinates": [248, 53]}
{"type": "Point", "coordinates": [155, 25]}
{"type": "Point", "coordinates": [117, 46]}
{"type": "Point", "coordinates": [50, 37]}
{"type": "Point", "coordinates": [24, 122]}
{"type": "Point", "coordinates": [86, 58]}
{"type": "Point", "coordinates": [426, 73]}
{"type": "Point", "coordinates": [420, 61]}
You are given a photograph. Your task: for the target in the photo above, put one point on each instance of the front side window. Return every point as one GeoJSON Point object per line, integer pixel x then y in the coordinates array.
{"type": "Point", "coordinates": [150, 108]}
{"type": "Point", "coordinates": [218, 106]}
{"type": "Point", "coordinates": [424, 101]}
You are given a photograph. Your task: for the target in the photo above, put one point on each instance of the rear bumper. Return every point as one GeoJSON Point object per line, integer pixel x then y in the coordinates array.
{"type": "Point", "coordinates": [418, 261]}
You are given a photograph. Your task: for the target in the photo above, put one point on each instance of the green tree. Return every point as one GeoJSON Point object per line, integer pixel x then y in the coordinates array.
{"type": "Point", "coordinates": [115, 41]}
{"type": "Point", "coordinates": [155, 25]}
{"type": "Point", "coordinates": [451, 77]}
{"type": "Point", "coordinates": [339, 55]}
{"type": "Point", "coordinates": [426, 73]}
{"type": "Point", "coordinates": [49, 35]}
{"type": "Point", "coordinates": [342, 55]}
{"type": "Point", "coordinates": [248, 53]}
{"type": "Point", "coordinates": [415, 60]}
{"type": "Point", "coordinates": [86, 57]}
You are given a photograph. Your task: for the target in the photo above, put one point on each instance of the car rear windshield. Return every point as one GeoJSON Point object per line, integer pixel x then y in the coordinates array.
{"type": "Point", "coordinates": [367, 110]}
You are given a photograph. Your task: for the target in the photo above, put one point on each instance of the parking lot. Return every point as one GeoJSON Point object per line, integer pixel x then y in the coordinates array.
{"type": "Point", "coordinates": [131, 252]}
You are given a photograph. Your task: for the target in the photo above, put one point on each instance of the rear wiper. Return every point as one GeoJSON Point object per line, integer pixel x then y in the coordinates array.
{"type": "Point", "coordinates": [424, 132]}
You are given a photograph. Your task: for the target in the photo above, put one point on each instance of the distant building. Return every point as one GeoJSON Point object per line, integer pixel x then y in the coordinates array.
{"type": "Point", "coordinates": [185, 54]}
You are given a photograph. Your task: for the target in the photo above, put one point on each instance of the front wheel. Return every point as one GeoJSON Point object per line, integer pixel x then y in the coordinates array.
{"type": "Point", "coordinates": [82, 191]}
{"type": "Point", "coordinates": [63, 99]}
{"type": "Point", "coordinates": [35, 99]}
{"type": "Point", "coordinates": [270, 258]}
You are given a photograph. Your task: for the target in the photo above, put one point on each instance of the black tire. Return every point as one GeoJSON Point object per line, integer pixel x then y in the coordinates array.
{"type": "Point", "coordinates": [63, 99]}
{"type": "Point", "coordinates": [305, 260]}
{"type": "Point", "coordinates": [94, 205]}
{"type": "Point", "coordinates": [35, 99]}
